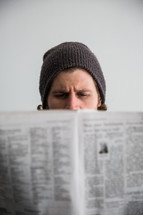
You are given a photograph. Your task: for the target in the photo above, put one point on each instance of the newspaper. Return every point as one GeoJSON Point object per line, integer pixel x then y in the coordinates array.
{"type": "Point", "coordinates": [71, 163]}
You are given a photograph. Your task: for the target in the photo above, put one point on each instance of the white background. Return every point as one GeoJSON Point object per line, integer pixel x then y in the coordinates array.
{"type": "Point", "coordinates": [112, 29]}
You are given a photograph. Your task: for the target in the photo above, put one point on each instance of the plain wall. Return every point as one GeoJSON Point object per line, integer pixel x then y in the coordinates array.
{"type": "Point", "coordinates": [112, 29]}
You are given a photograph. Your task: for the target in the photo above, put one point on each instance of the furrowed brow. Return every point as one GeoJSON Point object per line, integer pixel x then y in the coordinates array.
{"type": "Point", "coordinates": [84, 90]}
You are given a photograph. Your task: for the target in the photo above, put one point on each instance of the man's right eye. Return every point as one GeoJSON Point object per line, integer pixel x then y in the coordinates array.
{"type": "Point", "coordinates": [61, 95]}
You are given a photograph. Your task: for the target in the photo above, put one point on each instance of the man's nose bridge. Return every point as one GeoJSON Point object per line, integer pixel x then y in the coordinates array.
{"type": "Point", "coordinates": [72, 102]}
{"type": "Point", "coordinates": [72, 99]}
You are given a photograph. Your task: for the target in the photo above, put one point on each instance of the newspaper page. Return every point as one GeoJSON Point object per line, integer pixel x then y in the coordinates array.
{"type": "Point", "coordinates": [38, 163]}
{"type": "Point", "coordinates": [111, 158]}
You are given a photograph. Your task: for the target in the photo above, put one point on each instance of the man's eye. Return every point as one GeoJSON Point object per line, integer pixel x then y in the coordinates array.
{"type": "Point", "coordinates": [61, 95]}
{"type": "Point", "coordinates": [83, 94]}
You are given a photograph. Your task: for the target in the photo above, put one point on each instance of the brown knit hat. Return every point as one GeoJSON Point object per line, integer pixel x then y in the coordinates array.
{"type": "Point", "coordinates": [68, 55]}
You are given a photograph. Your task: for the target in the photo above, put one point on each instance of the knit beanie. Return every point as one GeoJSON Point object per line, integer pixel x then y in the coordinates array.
{"type": "Point", "coordinates": [68, 55]}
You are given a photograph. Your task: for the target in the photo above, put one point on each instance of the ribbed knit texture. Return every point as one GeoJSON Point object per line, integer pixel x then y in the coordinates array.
{"type": "Point", "coordinates": [68, 55]}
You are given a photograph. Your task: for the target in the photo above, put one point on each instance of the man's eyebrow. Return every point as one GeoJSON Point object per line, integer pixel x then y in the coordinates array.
{"type": "Point", "coordinates": [84, 90]}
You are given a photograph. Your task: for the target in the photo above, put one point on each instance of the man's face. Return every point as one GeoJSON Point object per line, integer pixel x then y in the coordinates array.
{"type": "Point", "coordinates": [73, 90]}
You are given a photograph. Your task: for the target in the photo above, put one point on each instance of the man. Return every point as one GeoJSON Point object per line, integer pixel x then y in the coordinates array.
{"type": "Point", "coordinates": [71, 78]}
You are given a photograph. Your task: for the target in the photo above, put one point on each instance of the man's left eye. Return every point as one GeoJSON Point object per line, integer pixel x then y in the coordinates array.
{"type": "Point", "coordinates": [82, 94]}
